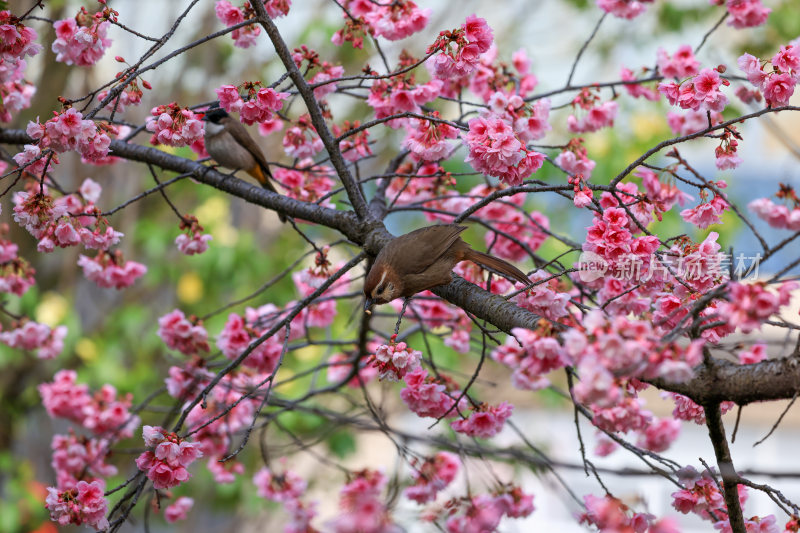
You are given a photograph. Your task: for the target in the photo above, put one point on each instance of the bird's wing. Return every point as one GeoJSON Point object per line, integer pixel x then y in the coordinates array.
{"type": "Point", "coordinates": [429, 244]}
{"type": "Point", "coordinates": [235, 128]}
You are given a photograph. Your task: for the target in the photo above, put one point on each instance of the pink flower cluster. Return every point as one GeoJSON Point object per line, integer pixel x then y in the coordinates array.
{"type": "Point", "coordinates": [103, 414]}
{"type": "Point", "coordinates": [302, 140]}
{"type": "Point", "coordinates": [596, 118]}
{"type": "Point", "coordinates": [547, 298]}
{"type": "Point", "coordinates": [483, 512]}
{"type": "Point", "coordinates": [66, 221]}
{"type": "Point", "coordinates": [226, 412]}
{"type": "Point", "coordinates": [178, 509]}
{"type": "Point", "coordinates": [608, 351]}
{"type": "Point", "coordinates": [78, 459]}
{"type": "Point", "coordinates": [240, 331]}
{"type": "Point", "coordinates": [496, 150]}
{"type": "Point", "coordinates": [530, 356]}
{"type": "Point", "coordinates": [726, 156]}
{"type": "Point", "coordinates": [680, 65]}
{"type": "Point", "coordinates": [686, 409]}
{"type": "Point", "coordinates": [428, 138]}
{"type": "Point", "coordinates": [637, 90]}
{"type": "Point", "coordinates": [82, 40]}
{"type": "Point", "coordinates": [701, 91]}
{"type": "Point", "coordinates": [701, 496]}
{"type": "Point", "coordinates": [745, 13]}
{"type": "Point", "coordinates": [360, 505]}
{"type": "Point", "coordinates": [230, 15]}
{"type": "Point", "coordinates": [188, 336]}
{"type": "Point", "coordinates": [776, 215]}
{"type": "Point", "coordinates": [398, 96]}
{"type": "Point", "coordinates": [429, 397]}
{"type": "Point", "coordinates": [194, 241]}
{"type": "Point", "coordinates": [354, 146]}
{"type": "Point", "coordinates": [261, 105]}
{"type": "Point", "coordinates": [750, 305]}
{"type": "Point", "coordinates": [778, 83]}
{"type": "Point", "coordinates": [110, 270]}
{"type": "Point", "coordinates": [69, 131]}
{"type": "Point", "coordinates": [692, 121]}
{"type": "Point", "coordinates": [522, 230]}
{"type": "Point", "coordinates": [30, 336]}
{"type": "Point", "coordinates": [394, 21]}
{"type": "Point", "coordinates": [287, 488]}
{"type": "Point", "coordinates": [663, 196]}
{"type": "Point", "coordinates": [82, 505]}
{"type": "Point", "coordinates": [16, 274]}
{"type": "Point", "coordinates": [435, 189]}
{"type": "Point", "coordinates": [573, 160]}
{"type": "Point", "coordinates": [432, 476]}
{"type": "Point", "coordinates": [326, 73]}
{"type": "Point", "coordinates": [460, 49]}
{"type": "Point", "coordinates": [16, 42]}
{"type": "Point", "coordinates": [166, 465]}
{"type": "Point", "coordinates": [626, 9]}
{"type": "Point", "coordinates": [395, 360]}
{"type": "Point", "coordinates": [707, 213]}
{"type": "Point", "coordinates": [131, 95]}
{"type": "Point", "coordinates": [309, 182]}
{"type": "Point", "coordinates": [485, 421]}
{"type": "Point", "coordinates": [610, 514]}
{"type": "Point", "coordinates": [340, 366]}
{"type": "Point", "coordinates": [173, 125]}
{"type": "Point", "coordinates": [530, 121]}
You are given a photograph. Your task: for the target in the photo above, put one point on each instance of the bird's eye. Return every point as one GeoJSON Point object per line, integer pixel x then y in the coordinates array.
{"type": "Point", "coordinates": [379, 289]}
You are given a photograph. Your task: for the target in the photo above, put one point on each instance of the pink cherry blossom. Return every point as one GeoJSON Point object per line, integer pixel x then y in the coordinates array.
{"type": "Point", "coordinates": [428, 397]}
{"type": "Point", "coordinates": [395, 360]}
{"type": "Point", "coordinates": [627, 9]}
{"type": "Point", "coordinates": [47, 342]}
{"type": "Point", "coordinates": [75, 458]}
{"type": "Point", "coordinates": [637, 90]}
{"type": "Point", "coordinates": [166, 466]}
{"type": "Point", "coordinates": [178, 509]}
{"type": "Point", "coordinates": [82, 45]}
{"type": "Point", "coordinates": [778, 88]}
{"type": "Point", "coordinates": [432, 476]}
{"type": "Point", "coordinates": [173, 126]}
{"type": "Point", "coordinates": [680, 65]}
{"type": "Point", "coordinates": [756, 354]}
{"type": "Point", "coordinates": [428, 139]}
{"type": "Point", "coordinates": [181, 334]}
{"type": "Point", "coordinates": [360, 505]}
{"type": "Point", "coordinates": [598, 117]}
{"type": "Point", "coordinates": [83, 504]}
{"type": "Point", "coordinates": [108, 271]}
{"type": "Point", "coordinates": [485, 421]}
{"type": "Point", "coordinates": [747, 13]}
{"type": "Point", "coordinates": [262, 105]}
{"type": "Point", "coordinates": [229, 98]}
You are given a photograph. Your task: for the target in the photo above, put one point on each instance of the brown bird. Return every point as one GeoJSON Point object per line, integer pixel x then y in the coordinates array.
{"type": "Point", "coordinates": [229, 144]}
{"type": "Point", "coordinates": [423, 259]}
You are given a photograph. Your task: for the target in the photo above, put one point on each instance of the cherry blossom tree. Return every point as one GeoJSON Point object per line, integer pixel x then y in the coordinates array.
{"type": "Point", "coordinates": [375, 126]}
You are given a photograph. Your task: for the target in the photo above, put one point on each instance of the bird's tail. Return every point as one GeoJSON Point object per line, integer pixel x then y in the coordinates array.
{"type": "Point", "coordinates": [498, 265]}
{"type": "Point", "coordinates": [264, 177]}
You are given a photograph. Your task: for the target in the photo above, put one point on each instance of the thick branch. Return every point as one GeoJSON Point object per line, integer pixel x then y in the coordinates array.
{"type": "Point", "coordinates": [716, 432]}
{"type": "Point", "coordinates": [338, 162]}
{"type": "Point", "coordinates": [773, 379]}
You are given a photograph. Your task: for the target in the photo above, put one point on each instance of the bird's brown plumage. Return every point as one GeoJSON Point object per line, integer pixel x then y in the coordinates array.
{"type": "Point", "coordinates": [424, 259]}
{"type": "Point", "coordinates": [229, 144]}
{"type": "Point", "coordinates": [259, 168]}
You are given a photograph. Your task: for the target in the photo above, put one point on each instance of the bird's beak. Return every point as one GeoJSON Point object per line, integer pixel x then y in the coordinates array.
{"type": "Point", "coordinates": [368, 305]}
